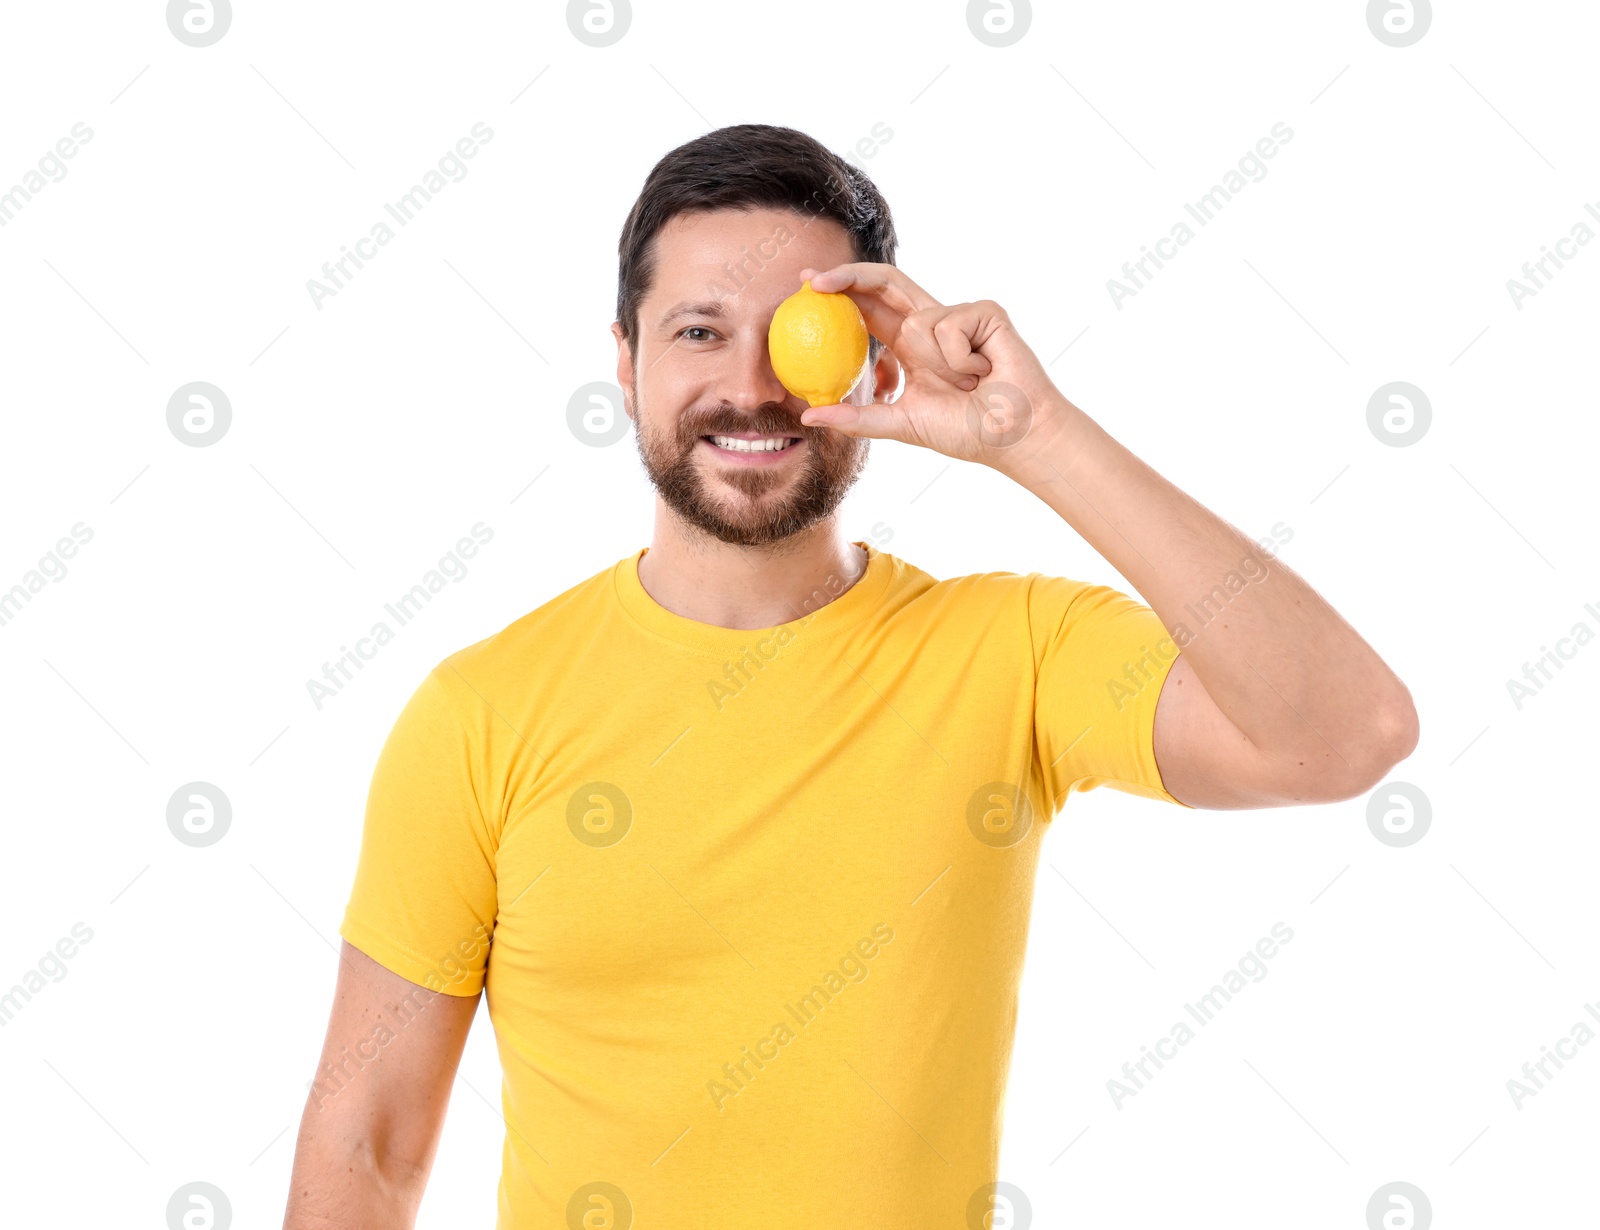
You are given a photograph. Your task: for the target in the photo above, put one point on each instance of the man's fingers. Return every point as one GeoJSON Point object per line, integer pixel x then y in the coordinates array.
{"type": "Point", "coordinates": [872, 422]}
{"type": "Point", "coordinates": [955, 332]}
{"type": "Point", "coordinates": [883, 282]}
{"type": "Point", "coordinates": [940, 341]}
{"type": "Point", "coordinates": [918, 348]}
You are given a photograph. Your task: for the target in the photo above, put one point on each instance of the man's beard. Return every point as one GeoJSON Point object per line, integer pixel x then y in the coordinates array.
{"type": "Point", "coordinates": [830, 466]}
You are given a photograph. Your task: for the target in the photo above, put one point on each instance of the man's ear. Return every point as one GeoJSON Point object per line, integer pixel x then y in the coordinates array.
{"type": "Point", "coordinates": [624, 367]}
{"type": "Point", "coordinates": [886, 376]}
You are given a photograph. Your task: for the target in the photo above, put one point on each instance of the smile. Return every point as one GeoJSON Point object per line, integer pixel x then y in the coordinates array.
{"type": "Point", "coordinates": [757, 444]}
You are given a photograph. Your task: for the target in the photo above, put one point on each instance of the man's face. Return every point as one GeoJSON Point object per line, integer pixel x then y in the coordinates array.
{"type": "Point", "coordinates": [720, 437]}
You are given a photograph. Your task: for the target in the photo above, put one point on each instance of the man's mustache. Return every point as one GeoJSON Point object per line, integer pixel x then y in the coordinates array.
{"type": "Point", "coordinates": [769, 419]}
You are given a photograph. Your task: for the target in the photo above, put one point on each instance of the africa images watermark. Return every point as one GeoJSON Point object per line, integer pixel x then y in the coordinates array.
{"type": "Point", "coordinates": [1566, 248]}
{"type": "Point", "coordinates": [53, 965]}
{"type": "Point", "coordinates": [51, 567]}
{"type": "Point", "coordinates": [1538, 672]}
{"type": "Point", "coordinates": [1203, 1011]}
{"type": "Point", "coordinates": [738, 674]}
{"type": "Point", "coordinates": [452, 163]}
{"type": "Point", "coordinates": [741, 274]}
{"type": "Point", "coordinates": [1253, 569]}
{"type": "Point", "coordinates": [335, 1076]}
{"type": "Point", "coordinates": [1581, 1034]}
{"type": "Point", "coordinates": [451, 565]}
{"type": "Point", "coordinates": [52, 165]}
{"type": "Point", "coordinates": [852, 967]}
{"type": "Point", "coordinates": [1203, 211]}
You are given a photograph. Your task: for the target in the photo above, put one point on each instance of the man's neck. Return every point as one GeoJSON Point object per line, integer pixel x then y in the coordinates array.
{"type": "Point", "coordinates": [712, 582]}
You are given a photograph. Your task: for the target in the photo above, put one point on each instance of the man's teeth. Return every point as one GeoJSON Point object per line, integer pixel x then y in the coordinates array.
{"type": "Point", "coordinates": [767, 444]}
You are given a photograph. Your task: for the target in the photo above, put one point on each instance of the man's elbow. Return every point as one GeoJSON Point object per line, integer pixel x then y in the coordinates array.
{"type": "Point", "coordinates": [1354, 766]}
{"type": "Point", "coordinates": [1392, 732]}
{"type": "Point", "coordinates": [1399, 727]}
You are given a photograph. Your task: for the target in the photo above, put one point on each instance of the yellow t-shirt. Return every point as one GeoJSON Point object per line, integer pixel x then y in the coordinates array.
{"type": "Point", "coordinates": [757, 900]}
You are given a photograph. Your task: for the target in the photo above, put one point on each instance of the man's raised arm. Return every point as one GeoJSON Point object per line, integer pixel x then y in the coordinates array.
{"type": "Point", "coordinates": [1276, 700]}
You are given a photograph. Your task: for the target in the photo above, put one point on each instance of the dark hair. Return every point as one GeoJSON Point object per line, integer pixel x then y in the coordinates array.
{"type": "Point", "coordinates": [748, 166]}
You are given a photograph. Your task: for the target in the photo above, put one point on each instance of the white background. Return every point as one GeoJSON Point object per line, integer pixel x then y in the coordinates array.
{"type": "Point", "coordinates": [369, 435]}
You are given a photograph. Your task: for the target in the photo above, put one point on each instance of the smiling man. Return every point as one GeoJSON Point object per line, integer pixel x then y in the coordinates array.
{"type": "Point", "coordinates": [739, 835]}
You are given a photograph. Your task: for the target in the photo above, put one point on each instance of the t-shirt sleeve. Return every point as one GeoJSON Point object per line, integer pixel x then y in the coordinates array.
{"type": "Point", "coordinates": [424, 901]}
{"type": "Point", "coordinates": [1100, 658]}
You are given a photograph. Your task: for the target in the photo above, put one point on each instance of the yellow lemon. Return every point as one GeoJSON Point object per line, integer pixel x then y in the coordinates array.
{"type": "Point", "coordinates": [818, 345]}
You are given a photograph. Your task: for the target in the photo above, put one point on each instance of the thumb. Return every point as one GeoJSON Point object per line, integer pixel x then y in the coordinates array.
{"type": "Point", "coordinates": [871, 422]}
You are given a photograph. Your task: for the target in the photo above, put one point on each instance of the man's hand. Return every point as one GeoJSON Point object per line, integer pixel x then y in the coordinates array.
{"type": "Point", "coordinates": [973, 388]}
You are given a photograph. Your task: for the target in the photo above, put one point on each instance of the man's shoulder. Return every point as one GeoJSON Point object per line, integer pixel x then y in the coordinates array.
{"type": "Point", "coordinates": [1035, 604]}
{"type": "Point", "coordinates": [552, 626]}
{"type": "Point", "coordinates": [996, 586]}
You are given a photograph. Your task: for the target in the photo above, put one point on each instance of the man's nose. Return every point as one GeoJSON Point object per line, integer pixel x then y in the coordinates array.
{"type": "Point", "coordinates": [748, 380]}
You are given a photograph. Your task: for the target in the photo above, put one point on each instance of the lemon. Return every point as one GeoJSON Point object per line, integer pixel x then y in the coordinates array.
{"type": "Point", "coordinates": [818, 345]}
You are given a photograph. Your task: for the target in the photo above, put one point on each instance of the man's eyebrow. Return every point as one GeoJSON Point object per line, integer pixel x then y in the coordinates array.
{"type": "Point", "coordinates": [707, 307]}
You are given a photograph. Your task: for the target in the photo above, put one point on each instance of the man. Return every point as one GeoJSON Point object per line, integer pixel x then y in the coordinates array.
{"type": "Point", "coordinates": [740, 834]}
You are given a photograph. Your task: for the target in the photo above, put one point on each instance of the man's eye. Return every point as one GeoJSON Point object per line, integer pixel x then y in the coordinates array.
{"type": "Point", "coordinates": [696, 333]}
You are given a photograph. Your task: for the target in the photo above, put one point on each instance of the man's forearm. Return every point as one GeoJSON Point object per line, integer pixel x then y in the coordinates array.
{"type": "Point", "coordinates": [1280, 663]}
